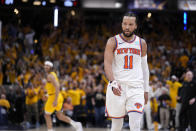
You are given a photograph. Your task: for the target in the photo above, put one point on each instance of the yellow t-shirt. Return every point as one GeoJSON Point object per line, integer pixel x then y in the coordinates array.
{"type": "Point", "coordinates": [40, 94]}
{"type": "Point", "coordinates": [173, 91]}
{"type": "Point", "coordinates": [32, 96]}
{"type": "Point", "coordinates": [4, 103]}
{"type": "Point", "coordinates": [1, 78]}
{"type": "Point", "coordinates": [27, 76]}
{"type": "Point", "coordinates": [12, 76]}
{"type": "Point", "coordinates": [75, 96]}
{"type": "Point", "coordinates": [19, 78]}
{"type": "Point", "coordinates": [81, 73]}
{"type": "Point", "coordinates": [183, 60]}
{"type": "Point", "coordinates": [64, 94]}
{"type": "Point", "coordinates": [73, 75]}
{"type": "Point", "coordinates": [154, 105]}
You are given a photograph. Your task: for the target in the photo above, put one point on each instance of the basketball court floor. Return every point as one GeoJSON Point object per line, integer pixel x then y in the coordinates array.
{"type": "Point", "coordinates": [71, 129]}
{"type": "Point", "coordinates": [43, 128]}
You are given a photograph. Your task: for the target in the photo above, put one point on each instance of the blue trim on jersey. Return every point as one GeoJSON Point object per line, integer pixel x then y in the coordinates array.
{"type": "Point", "coordinates": [141, 46]}
{"type": "Point", "coordinates": [126, 40]}
{"type": "Point", "coordinates": [116, 43]}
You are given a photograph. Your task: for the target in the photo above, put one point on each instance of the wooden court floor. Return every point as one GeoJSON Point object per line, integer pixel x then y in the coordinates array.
{"type": "Point", "coordinates": [43, 128]}
{"type": "Point", "coordinates": [71, 129]}
{"type": "Point", "coordinates": [61, 128]}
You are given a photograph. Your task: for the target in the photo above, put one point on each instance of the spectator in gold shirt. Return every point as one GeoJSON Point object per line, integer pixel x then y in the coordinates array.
{"type": "Point", "coordinates": [31, 101]}
{"type": "Point", "coordinates": [4, 102]}
{"type": "Point", "coordinates": [1, 76]}
{"type": "Point", "coordinates": [173, 86]}
{"type": "Point", "coordinates": [4, 106]}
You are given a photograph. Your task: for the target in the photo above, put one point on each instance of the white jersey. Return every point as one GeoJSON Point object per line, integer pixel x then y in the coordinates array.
{"type": "Point", "coordinates": [126, 65]}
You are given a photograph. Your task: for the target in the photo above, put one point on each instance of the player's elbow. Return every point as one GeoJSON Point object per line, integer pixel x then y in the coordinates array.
{"type": "Point", "coordinates": [107, 66]}
{"type": "Point", "coordinates": [57, 87]}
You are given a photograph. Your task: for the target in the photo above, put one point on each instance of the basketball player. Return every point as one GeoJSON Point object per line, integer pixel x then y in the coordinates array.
{"type": "Point", "coordinates": [126, 67]}
{"type": "Point", "coordinates": [55, 99]}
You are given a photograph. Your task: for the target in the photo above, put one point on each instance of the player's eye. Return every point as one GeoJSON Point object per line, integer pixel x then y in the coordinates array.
{"type": "Point", "coordinates": [125, 23]}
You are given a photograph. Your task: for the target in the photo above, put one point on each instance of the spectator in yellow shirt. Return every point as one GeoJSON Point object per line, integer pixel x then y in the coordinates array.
{"type": "Point", "coordinates": [184, 60]}
{"type": "Point", "coordinates": [173, 85]}
{"type": "Point", "coordinates": [3, 102]}
{"type": "Point", "coordinates": [4, 106]}
{"type": "Point", "coordinates": [1, 76]}
{"type": "Point", "coordinates": [32, 104]}
{"type": "Point", "coordinates": [74, 94]}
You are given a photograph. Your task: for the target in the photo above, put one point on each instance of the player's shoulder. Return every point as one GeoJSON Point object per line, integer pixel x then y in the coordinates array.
{"type": "Point", "coordinates": [111, 41]}
{"type": "Point", "coordinates": [50, 76]}
{"type": "Point", "coordinates": [143, 41]}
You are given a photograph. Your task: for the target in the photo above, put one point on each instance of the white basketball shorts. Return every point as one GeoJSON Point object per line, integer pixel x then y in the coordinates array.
{"type": "Point", "coordinates": [131, 100]}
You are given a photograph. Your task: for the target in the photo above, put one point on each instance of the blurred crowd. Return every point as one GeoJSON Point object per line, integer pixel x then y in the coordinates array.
{"type": "Point", "coordinates": [76, 49]}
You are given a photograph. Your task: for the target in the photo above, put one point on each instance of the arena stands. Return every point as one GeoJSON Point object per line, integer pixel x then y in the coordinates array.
{"type": "Point", "coordinates": [76, 49]}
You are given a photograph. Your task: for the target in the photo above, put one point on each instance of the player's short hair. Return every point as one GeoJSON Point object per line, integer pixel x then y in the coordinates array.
{"type": "Point", "coordinates": [131, 14]}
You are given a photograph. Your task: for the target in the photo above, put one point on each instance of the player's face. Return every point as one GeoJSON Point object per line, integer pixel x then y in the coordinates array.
{"type": "Point", "coordinates": [189, 76]}
{"type": "Point", "coordinates": [47, 68]}
{"type": "Point", "coordinates": [129, 26]}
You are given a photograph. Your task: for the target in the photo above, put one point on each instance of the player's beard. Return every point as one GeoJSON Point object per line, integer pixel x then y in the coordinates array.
{"type": "Point", "coordinates": [47, 71]}
{"type": "Point", "coordinates": [128, 35]}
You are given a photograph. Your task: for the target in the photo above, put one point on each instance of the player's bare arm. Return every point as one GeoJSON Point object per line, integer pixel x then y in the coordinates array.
{"type": "Point", "coordinates": [144, 48]}
{"type": "Point", "coordinates": [56, 84]}
{"type": "Point", "coordinates": [108, 58]}
{"type": "Point", "coordinates": [145, 70]}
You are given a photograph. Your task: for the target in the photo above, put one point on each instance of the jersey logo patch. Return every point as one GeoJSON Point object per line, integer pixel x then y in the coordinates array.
{"type": "Point", "coordinates": [138, 105]}
{"type": "Point", "coordinates": [137, 42]}
{"type": "Point", "coordinates": [120, 43]}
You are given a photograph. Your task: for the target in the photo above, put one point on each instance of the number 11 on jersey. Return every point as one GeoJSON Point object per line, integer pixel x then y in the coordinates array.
{"type": "Point", "coordinates": [128, 62]}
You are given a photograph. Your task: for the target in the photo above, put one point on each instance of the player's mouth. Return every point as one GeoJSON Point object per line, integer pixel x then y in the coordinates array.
{"type": "Point", "coordinates": [127, 31]}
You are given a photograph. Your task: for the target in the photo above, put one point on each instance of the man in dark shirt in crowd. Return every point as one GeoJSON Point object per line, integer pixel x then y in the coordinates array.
{"type": "Point", "coordinates": [178, 108]}
{"type": "Point", "coordinates": [188, 99]}
{"type": "Point", "coordinates": [98, 102]}
{"type": "Point", "coordinates": [164, 100]}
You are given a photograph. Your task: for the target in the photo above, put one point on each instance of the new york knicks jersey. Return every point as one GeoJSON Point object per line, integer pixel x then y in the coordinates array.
{"type": "Point", "coordinates": [126, 64]}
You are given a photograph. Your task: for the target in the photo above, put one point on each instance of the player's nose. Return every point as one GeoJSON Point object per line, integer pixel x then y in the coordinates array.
{"type": "Point", "coordinates": [127, 27]}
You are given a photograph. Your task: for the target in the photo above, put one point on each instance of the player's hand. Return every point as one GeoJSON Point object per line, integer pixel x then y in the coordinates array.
{"type": "Point", "coordinates": [117, 91]}
{"type": "Point", "coordinates": [146, 97]}
{"type": "Point", "coordinates": [54, 103]}
{"type": "Point", "coordinates": [191, 101]}
{"type": "Point", "coordinates": [116, 88]}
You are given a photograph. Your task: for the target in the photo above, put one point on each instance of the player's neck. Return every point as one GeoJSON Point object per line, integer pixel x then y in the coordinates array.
{"type": "Point", "coordinates": [47, 73]}
{"type": "Point", "coordinates": [128, 38]}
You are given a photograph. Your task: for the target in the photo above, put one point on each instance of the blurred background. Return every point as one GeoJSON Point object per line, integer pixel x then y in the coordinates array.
{"type": "Point", "coordinates": [73, 34]}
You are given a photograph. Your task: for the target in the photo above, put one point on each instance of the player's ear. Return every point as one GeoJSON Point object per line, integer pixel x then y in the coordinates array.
{"type": "Point", "coordinates": [135, 26]}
